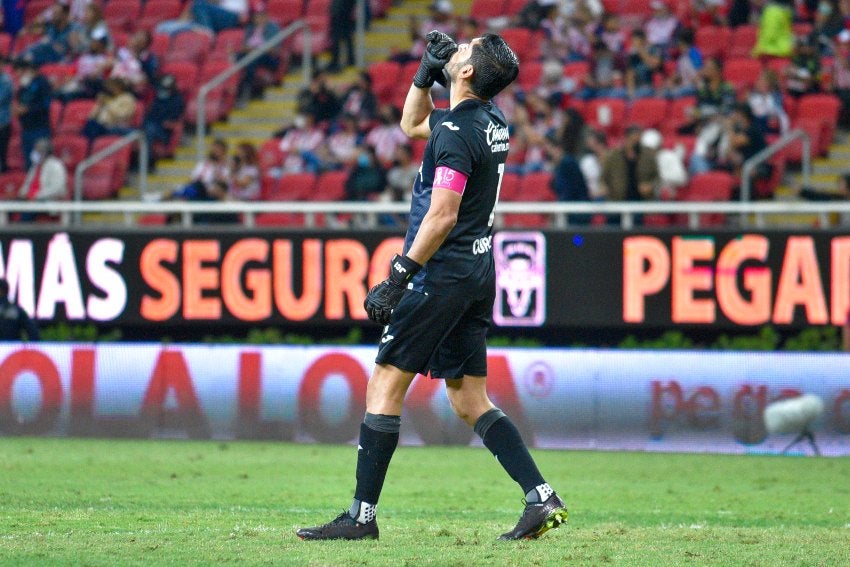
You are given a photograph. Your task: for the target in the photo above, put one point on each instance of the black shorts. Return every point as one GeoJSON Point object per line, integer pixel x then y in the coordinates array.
{"type": "Point", "coordinates": [445, 335]}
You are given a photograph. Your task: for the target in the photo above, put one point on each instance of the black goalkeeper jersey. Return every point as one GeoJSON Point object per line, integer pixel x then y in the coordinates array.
{"type": "Point", "coordinates": [472, 138]}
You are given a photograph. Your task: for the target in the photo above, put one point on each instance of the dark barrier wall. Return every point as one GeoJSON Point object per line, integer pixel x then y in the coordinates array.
{"type": "Point", "coordinates": [559, 398]}
{"type": "Point", "coordinates": [722, 280]}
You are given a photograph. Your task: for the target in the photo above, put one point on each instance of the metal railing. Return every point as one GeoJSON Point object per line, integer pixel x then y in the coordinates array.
{"type": "Point", "coordinates": [136, 135]}
{"type": "Point", "coordinates": [268, 45]}
{"type": "Point", "coordinates": [751, 164]}
{"type": "Point", "coordinates": [69, 212]}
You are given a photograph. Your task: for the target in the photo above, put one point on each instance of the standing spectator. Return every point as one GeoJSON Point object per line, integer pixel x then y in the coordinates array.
{"type": "Point", "coordinates": [165, 112]}
{"type": "Point", "coordinates": [630, 172]}
{"type": "Point", "coordinates": [318, 99]}
{"type": "Point", "coordinates": [342, 32]}
{"type": "Point", "coordinates": [775, 35]}
{"type": "Point", "coordinates": [47, 178]}
{"type": "Point", "coordinates": [245, 174]}
{"type": "Point", "coordinates": [359, 100]}
{"type": "Point", "coordinates": [113, 113]}
{"type": "Point", "coordinates": [13, 319]}
{"type": "Point", "coordinates": [661, 28]}
{"type": "Point", "coordinates": [802, 76]}
{"type": "Point", "coordinates": [32, 106]}
{"type": "Point", "coordinates": [260, 29]}
{"type": "Point", "coordinates": [537, 125]}
{"type": "Point", "coordinates": [568, 181]}
{"type": "Point", "coordinates": [388, 135]}
{"type": "Point", "coordinates": [7, 95]}
{"type": "Point", "coordinates": [595, 150]}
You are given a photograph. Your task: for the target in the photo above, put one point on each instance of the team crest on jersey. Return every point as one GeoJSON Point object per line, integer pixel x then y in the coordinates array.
{"type": "Point", "coordinates": [497, 137]}
{"type": "Point", "coordinates": [520, 259]}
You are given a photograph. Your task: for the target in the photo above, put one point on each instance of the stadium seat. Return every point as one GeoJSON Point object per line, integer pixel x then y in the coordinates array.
{"type": "Point", "coordinates": [530, 73]}
{"type": "Point", "coordinates": [317, 8]}
{"type": "Point", "coordinates": [288, 220]}
{"type": "Point", "coordinates": [292, 187]}
{"type": "Point", "coordinates": [319, 40]}
{"type": "Point", "coordinates": [741, 42]}
{"type": "Point", "coordinates": [189, 46]}
{"type": "Point", "coordinates": [330, 186]}
{"type": "Point", "coordinates": [712, 186]}
{"type": "Point", "coordinates": [121, 15]}
{"type": "Point", "coordinates": [58, 73]}
{"type": "Point", "coordinates": [71, 150]}
{"type": "Point", "coordinates": [536, 186]}
{"type": "Point", "coordinates": [121, 159]}
{"type": "Point", "coordinates": [742, 73]}
{"type": "Point", "coordinates": [23, 40]}
{"type": "Point", "coordinates": [284, 12]}
{"type": "Point", "coordinates": [270, 156]}
{"type": "Point", "coordinates": [606, 114]}
{"type": "Point", "coordinates": [98, 180]}
{"type": "Point", "coordinates": [485, 9]}
{"type": "Point", "coordinates": [523, 42]}
{"type": "Point", "coordinates": [813, 127]}
{"type": "Point", "coordinates": [226, 45]}
{"type": "Point", "coordinates": [5, 44]}
{"type": "Point", "coordinates": [74, 116]}
{"type": "Point", "coordinates": [32, 8]}
{"type": "Point", "coordinates": [186, 76]}
{"type": "Point", "coordinates": [15, 155]}
{"type": "Point", "coordinates": [160, 43]}
{"type": "Point", "coordinates": [10, 183]}
{"type": "Point", "coordinates": [577, 71]}
{"type": "Point", "coordinates": [512, 7]}
{"type": "Point", "coordinates": [385, 79]}
{"type": "Point", "coordinates": [823, 107]}
{"type": "Point", "coordinates": [712, 41]}
{"type": "Point", "coordinates": [510, 188]}
{"type": "Point", "coordinates": [648, 112]}
{"type": "Point", "coordinates": [156, 11]}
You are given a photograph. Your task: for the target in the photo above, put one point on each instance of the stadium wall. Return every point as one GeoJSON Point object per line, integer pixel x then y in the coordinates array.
{"type": "Point", "coordinates": [560, 398]}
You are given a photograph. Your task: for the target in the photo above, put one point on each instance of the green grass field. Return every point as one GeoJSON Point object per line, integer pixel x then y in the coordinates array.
{"type": "Point", "coordinates": [97, 502]}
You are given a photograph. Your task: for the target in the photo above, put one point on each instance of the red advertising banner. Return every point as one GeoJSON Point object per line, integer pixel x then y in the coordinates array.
{"type": "Point", "coordinates": [559, 398]}
{"type": "Point", "coordinates": [595, 279]}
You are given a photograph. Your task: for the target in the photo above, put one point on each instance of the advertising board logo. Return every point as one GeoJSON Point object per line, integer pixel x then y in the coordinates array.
{"type": "Point", "coordinates": [520, 259]}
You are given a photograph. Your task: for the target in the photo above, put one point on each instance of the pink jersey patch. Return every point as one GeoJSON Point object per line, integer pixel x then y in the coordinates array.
{"type": "Point", "coordinates": [448, 178]}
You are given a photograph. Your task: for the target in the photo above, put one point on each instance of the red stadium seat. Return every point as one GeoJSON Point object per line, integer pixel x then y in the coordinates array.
{"type": "Point", "coordinates": [512, 7]}
{"type": "Point", "coordinates": [5, 44]}
{"type": "Point", "coordinates": [530, 73]}
{"type": "Point", "coordinates": [185, 75]}
{"type": "Point", "coordinates": [292, 187]}
{"type": "Point", "coordinates": [74, 116]}
{"type": "Point", "coordinates": [742, 73]}
{"type": "Point", "coordinates": [712, 41]}
{"type": "Point", "coordinates": [823, 107]}
{"type": "Point", "coordinates": [510, 188]}
{"type": "Point", "coordinates": [385, 79]}
{"type": "Point", "coordinates": [317, 8]}
{"type": "Point", "coordinates": [330, 186]}
{"type": "Point", "coordinates": [156, 11]}
{"type": "Point", "coordinates": [121, 15]}
{"type": "Point", "coordinates": [712, 186]}
{"type": "Point", "coordinates": [284, 12]}
{"type": "Point", "coordinates": [270, 156]}
{"type": "Point", "coordinates": [678, 114]}
{"type": "Point", "coordinates": [188, 46]}
{"type": "Point", "coordinates": [10, 183]}
{"type": "Point", "coordinates": [648, 112]}
{"type": "Point", "coordinates": [536, 186]}
{"type": "Point", "coordinates": [98, 179]}
{"type": "Point", "coordinates": [578, 71]}
{"type": "Point", "coordinates": [160, 43]}
{"type": "Point", "coordinates": [606, 114]}
{"type": "Point", "coordinates": [742, 42]}
{"type": "Point", "coordinates": [71, 150]}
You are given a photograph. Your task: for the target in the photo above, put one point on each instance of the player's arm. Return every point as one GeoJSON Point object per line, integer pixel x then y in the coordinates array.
{"type": "Point", "coordinates": [418, 105]}
{"type": "Point", "coordinates": [437, 224]}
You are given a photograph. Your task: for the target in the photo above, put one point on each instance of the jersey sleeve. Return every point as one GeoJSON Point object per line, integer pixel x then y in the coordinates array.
{"type": "Point", "coordinates": [452, 148]}
{"type": "Point", "coordinates": [437, 115]}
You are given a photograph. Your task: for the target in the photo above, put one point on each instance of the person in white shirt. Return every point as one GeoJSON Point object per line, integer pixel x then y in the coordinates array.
{"type": "Point", "coordinates": [47, 178]}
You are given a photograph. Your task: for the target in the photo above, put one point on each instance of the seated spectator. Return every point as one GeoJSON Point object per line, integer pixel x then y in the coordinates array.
{"type": "Point", "coordinates": [58, 40]}
{"type": "Point", "coordinates": [318, 99]}
{"type": "Point", "coordinates": [828, 22]}
{"type": "Point", "coordinates": [738, 140]}
{"type": "Point", "coordinates": [672, 173]}
{"type": "Point", "coordinates": [642, 62]}
{"type": "Point", "coordinates": [840, 76]}
{"type": "Point", "coordinates": [661, 27]}
{"type": "Point", "coordinates": [802, 76]}
{"type": "Point", "coordinates": [606, 74]}
{"type": "Point", "coordinates": [387, 135]}
{"type": "Point", "coordinates": [218, 15]}
{"type": "Point", "coordinates": [440, 18]}
{"type": "Point", "coordinates": [47, 177]}
{"type": "Point", "coordinates": [245, 174]}
{"type": "Point", "coordinates": [359, 100]}
{"type": "Point", "coordinates": [340, 149]}
{"type": "Point", "coordinates": [765, 101]}
{"type": "Point", "coordinates": [579, 34]}
{"type": "Point", "coordinates": [534, 14]}
{"type": "Point", "coordinates": [94, 28]}
{"type": "Point", "coordinates": [367, 178]}
{"type": "Point", "coordinates": [92, 68]}
{"type": "Point", "coordinates": [714, 98]}
{"type": "Point", "coordinates": [612, 34]}
{"type": "Point", "coordinates": [164, 113]}
{"type": "Point", "coordinates": [259, 30]}
{"type": "Point", "coordinates": [683, 81]}
{"type": "Point", "coordinates": [537, 127]}
{"type": "Point", "coordinates": [135, 64]}
{"type": "Point", "coordinates": [212, 169]}
{"type": "Point", "coordinates": [113, 113]}
{"type": "Point", "coordinates": [775, 34]}
{"type": "Point", "coordinates": [216, 192]}
{"type": "Point", "coordinates": [401, 176]}
{"type": "Point", "coordinates": [299, 143]}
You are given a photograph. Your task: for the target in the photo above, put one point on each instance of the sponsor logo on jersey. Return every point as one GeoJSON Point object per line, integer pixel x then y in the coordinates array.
{"type": "Point", "coordinates": [451, 126]}
{"type": "Point", "coordinates": [497, 137]}
{"type": "Point", "coordinates": [482, 245]}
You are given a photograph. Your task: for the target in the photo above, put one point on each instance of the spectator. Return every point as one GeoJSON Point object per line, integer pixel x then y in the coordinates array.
{"type": "Point", "coordinates": [47, 178]}
{"type": "Point", "coordinates": [245, 174]}
{"type": "Point", "coordinates": [213, 168]}
{"type": "Point", "coordinates": [829, 21]}
{"type": "Point", "coordinates": [341, 32]}
{"type": "Point", "coordinates": [595, 150]}
{"type": "Point", "coordinates": [745, 139]}
{"type": "Point", "coordinates": [216, 192]}
{"type": "Point", "coordinates": [683, 81]}
{"type": "Point", "coordinates": [340, 149]}
{"type": "Point", "coordinates": [605, 78]}
{"type": "Point", "coordinates": [300, 143]}
{"type": "Point", "coordinates": [672, 173]}
{"type": "Point", "coordinates": [113, 113]}
{"type": "Point", "coordinates": [359, 100]}
{"type": "Point", "coordinates": [642, 62]}
{"type": "Point", "coordinates": [59, 37]}
{"type": "Point", "coordinates": [630, 172]}
{"type": "Point", "coordinates": [135, 64]}
{"type": "Point", "coordinates": [840, 76]}
{"type": "Point", "coordinates": [164, 113]}
{"type": "Point", "coordinates": [775, 35]}
{"type": "Point", "coordinates": [534, 13]}
{"type": "Point", "coordinates": [401, 175]}
{"type": "Point", "coordinates": [218, 15]}
{"type": "Point", "coordinates": [765, 101]}
{"type": "Point", "coordinates": [94, 28]}
{"type": "Point", "coordinates": [259, 30]}
{"type": "Point", "coordinates": [612, 34]}
{"type": "Point", "coordinates": [7, 96]}
{"type": "Point", "coordinates": [440, 18]}
{"type": "Point", "coordinates": [714, 98]}
{"type": "Point", "coordinates": [13, 319]}
{"type": "Point", "coordinates": [386, 136]}
{"type": "Point", "coordinates": [740, 13]}
{"type": "Point", "coordinates": [31, 106]}
{"type": "Point", "coordinates": [802, 76]}
{"type": "Point", "coordinates": [318, 99]}
{"type": "Point", "coordinates": [661, 28]}
{"type": "Point", "coordinates": [568, 181]}
{"type": "Point", "coordinates": [367, 178]}
{"type": "Point", "coordinates": [537, 126]}
{"type": "Point", "coordinates": [92, 68]}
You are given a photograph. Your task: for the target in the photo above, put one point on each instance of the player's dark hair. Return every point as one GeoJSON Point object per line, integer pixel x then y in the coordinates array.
{"type": "Point", "coordinates": [495, 66]}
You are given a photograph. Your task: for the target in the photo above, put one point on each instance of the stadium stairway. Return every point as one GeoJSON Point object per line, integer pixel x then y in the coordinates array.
{"type": "Point", "coordinates": [259, 119]}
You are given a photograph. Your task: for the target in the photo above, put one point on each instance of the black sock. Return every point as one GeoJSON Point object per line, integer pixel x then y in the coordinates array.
{"type": "Point", "coordinates": [373, 459]}
{"type": "Point", "coordinates": [502, 437]}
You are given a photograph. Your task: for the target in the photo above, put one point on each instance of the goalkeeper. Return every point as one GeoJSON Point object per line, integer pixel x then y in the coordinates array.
{"type": "Point", "coordinates": [437, 303]}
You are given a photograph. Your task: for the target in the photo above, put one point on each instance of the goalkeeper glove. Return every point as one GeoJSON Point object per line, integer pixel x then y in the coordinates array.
{"type": "Point", "coordinates": [438, 51]}
{"type": "Point", "coordinates": [382, 299]}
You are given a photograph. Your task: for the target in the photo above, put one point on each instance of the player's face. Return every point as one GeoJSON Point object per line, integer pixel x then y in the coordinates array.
{"type": "Point", "coordinates": [460, 58]}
